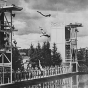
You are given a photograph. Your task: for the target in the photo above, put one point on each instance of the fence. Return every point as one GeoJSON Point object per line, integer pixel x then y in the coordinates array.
{"type": "Point", "coordinates": [36, 74]}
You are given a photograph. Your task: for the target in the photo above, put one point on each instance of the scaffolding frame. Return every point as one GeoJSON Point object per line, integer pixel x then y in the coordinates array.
{"type": "Point", "coordinates": [7, 27]}
{"type": "Point", "coordinates": [73, 43]}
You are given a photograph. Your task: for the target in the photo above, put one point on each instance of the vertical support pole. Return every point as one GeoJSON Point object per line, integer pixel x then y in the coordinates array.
{"type": "Point", "coordinates": [70, 45]}
{"type": "Point", "coordinates": [70, 82]}
{"type": "Point", "coordinates": [1, 80]}
{"type": "Point", "coordinates": [8, 80]}
{"type": "Point", "coordinates": [3, 67]}
{"type": "Point", "coordinates": [11, 45]}
{"type": "Point", "coordinates": [76, 44]}
{"type": "Point", "coordinates": [76, 66]}
{"type": "Point", "coordinates": [77, 78]}
{"type": "Point", "coordinates": [71, 67]}
{"type": "Point", "coordinates": [76, 52]}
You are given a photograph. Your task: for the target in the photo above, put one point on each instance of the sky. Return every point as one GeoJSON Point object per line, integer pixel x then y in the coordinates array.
{"type": "Point", "coordinates": [28, 21]}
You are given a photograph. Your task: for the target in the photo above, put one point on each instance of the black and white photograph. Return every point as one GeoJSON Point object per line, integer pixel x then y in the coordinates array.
{"type": "Point", "coordinates": [43, 43]}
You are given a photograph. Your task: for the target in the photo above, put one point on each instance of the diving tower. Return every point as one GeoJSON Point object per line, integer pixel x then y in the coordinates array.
{"type": "Point", "coordinates": [6, 30]}
{"type": "Point", "coordinates": [65, 37]}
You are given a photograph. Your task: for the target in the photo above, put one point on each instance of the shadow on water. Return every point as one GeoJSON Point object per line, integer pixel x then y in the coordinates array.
{"type": "Point", "coordinates": [75, 81]}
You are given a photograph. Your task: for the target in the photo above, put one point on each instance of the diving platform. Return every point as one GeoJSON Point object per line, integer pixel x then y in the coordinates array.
{"type": "Point", "coordinates": [10, 8]}
{"type": "Point", "coordinates": [6, 29]}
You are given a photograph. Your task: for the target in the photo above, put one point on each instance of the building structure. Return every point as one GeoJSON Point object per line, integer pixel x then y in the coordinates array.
{"type": "Point", "coordinates": [65, 37]}
{"type": "Point", "coordinates": [6, 29]}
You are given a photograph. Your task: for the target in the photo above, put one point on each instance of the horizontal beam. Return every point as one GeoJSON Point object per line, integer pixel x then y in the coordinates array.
{"type": "Point", "coordinates": [10, 8]}
{"type": "Point", "coordinates": [8, 30]}
{"type": "Point", "coordinates": [5, 64]}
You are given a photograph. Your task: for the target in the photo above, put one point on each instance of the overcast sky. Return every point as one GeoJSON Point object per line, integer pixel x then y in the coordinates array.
{"type": "Point", "coordinates": [28, 20]}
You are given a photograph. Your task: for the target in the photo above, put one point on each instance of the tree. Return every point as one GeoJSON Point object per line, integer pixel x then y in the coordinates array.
{"type": "Point", "coordinates": [31, 51]}
{"type": "Point", "coordinates": [86, 57]}
{"type": "Point", "coordinates": [35, 55]}
{"type": "Point", "coordinates": [56, 57]}
{"type": "Point", "coordinates": [31, 54]}
{"type": "Point", "coordinates": [43, 54]}
{"type": "Point", "coordinates": [46, 54]}
{"type": "Point", "coordinates": [81, 56]}
{"type": "Point", "coordinates": [24, 50]}
{"type": "Point", "coordinates": [16, 59]}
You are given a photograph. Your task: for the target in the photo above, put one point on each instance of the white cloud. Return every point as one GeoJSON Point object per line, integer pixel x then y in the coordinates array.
{"type": "Point", "coordinates": [27, 8]}
{"type": "Point", "coordinates": [19, 24]}
{"type": "Point", "coordinates": [24, 41]}
{"type": "Point", "coordinates": [82, 42]}
{"type": "Point", "coordinates": [29, 21]}
{"type": "Point", "coordinates": [33, 20]}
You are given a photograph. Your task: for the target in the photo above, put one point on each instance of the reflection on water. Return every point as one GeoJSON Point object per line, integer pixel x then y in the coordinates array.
{"type": "Point", "coordinates": [77, 81]}
{"type": "Point", "coordinates": [60, 83]}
